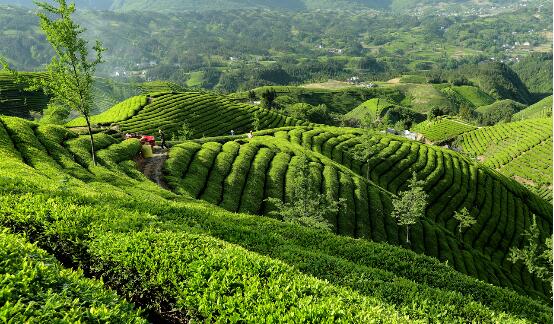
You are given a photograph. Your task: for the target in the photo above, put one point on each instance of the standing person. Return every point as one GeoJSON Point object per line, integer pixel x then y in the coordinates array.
{"type": "Point", "coordinates": [232, 132]}
{"type": "Point", "coordinates": [162, 138]}
{"type": "Point", "coordinates": [250, 135]}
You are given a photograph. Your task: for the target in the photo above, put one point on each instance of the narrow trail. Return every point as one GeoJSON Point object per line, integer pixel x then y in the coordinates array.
{"type": "Point", "coordinates": [153, 167]}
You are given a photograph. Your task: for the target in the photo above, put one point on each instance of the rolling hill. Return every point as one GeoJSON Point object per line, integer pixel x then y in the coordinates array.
{"type": "Point", "coordinates": [181, 259]}
{"type": "Point", "coordinates": [468, 96]}
{"type": "Point", "coordinates": [521, 150]}
{"type": "Point", "coordinates": [379, 109]}
{"type": "Point", "coordinates": [173, 5]}
{"type": "Point", "coordinates": [239, 175]}
{"type": "Point", "coordinates": [499, 81]}
{"type": "Point", "coordinates": [205, 114]}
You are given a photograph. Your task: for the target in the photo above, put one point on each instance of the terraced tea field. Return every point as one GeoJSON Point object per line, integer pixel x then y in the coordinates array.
{"type": "Point", "coordinates": [442, 129]}
{"type": "Point", "coordinates": [182, 260]}
{"type": "Point", "coordinates": [16, 102]}
{"type": "Point", "coordinates": [542, 109]}
{"type": "Point", "coordinates": [521, 150]}
{"type": "Point", "coordinates": [205, 114]}
{"type": "Point", "coordinates": [238, 175]}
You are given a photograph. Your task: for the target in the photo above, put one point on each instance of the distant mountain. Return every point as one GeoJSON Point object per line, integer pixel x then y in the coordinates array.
{"type": "Point", "coordinates": [181, 5]}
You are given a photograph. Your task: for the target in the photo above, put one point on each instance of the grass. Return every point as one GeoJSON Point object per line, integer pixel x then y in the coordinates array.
{"type": "Point", "coordinates": [471, 95]}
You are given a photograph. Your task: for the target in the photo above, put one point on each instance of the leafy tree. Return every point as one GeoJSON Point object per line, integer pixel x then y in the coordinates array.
{"type": "Point", "coordinates": [252, 96]}
{"type": "Point", "coordinates": [183, 134]}
{"type": "Point", "coordinates": [410, 205]}
{"type": "Point", "coordinates": [465, 220]}
{"type": "Point", "coordinates": [307, 207]}
{"type": "Point", "coordinates": [69, 76]}
{"type": "Point", "coordinates": [534, 255]}
{"type": "Point", "coordinates": [434, 113]}
{"type": "Point", "coordinates": [268, 98]}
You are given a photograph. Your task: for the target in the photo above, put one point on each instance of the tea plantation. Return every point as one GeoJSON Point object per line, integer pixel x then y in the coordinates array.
{"type": "Point", "coordinates": [14, 101]}
{"type": "Point", "coordinates": [205, 114]}
{"type": "Point", "coordinates": [203, 252]}
{"type": "Point", "coordinates": [442, 129]}
{"type": "Point", "coordinates": [177, 259]}
{"type": "Point", "coordinates": [541, 109]}
{"type": "Point", "coordinates": [521, 150]}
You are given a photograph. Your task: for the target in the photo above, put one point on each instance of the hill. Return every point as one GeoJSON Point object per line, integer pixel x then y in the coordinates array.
{"type": "Point", "coordinates": [499, 81]}
{"type": "Point", "coordinates": [442, 129]}
{"type": "Point", "coordinates": [468, 96]}
{"type": "Point", "coordinates": [382, 109]}
{"type": "Point", "coordinates": [239, 175]}
{"type": "Point", "coordinates": [535, 71]}
{"type": "Point", "coordinates": [182, 260]}
{"type": "Point", "coordinates": [521, 150]}
{"type": "Point", "coordinates": [339, 101]}
{"type": "Point", "coordinates": [500, 111]}
{"type": "Point", "coordinates": [541, 109]}
{"type": "Point", "coordinates": [173, 5]}
{"type": "Point", "coordinates": [205, 114]}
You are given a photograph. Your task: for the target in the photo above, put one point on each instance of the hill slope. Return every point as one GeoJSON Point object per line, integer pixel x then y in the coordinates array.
{"type": "Point", "coordinates": [541, 109]}
{"type": "Point", "coordinates": [204, 114]}
{"type": "Point", "coordinates": [442, 129]}
{"type": "Point", "coordinates": [240, 175]}
{"type": "Point", "coordinates": [182, 260]}
{"type": "Point", "coordinates": [521, 150]}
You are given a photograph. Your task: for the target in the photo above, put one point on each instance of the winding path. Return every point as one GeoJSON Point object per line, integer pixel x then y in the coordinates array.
{"type": "Point", "coordinates": [153, 167]}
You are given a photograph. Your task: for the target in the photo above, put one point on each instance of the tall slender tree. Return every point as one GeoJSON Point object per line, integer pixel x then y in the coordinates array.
{"type": "Point", "coordinates": [410, 205]}
{"type": "Point", "coordinates": [69, 76]}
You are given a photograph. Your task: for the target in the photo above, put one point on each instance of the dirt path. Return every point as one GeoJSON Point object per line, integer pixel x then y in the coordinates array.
{"type": "Point", "coordinates": [153, 167]}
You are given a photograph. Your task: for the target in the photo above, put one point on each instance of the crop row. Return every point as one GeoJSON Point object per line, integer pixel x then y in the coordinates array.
{"type": "Point", "coordinates": [442, 129]}
{"type": "Point", "coordinates": [173, 259]}
{"type": "Point", "coordinates": [240, 178]}
{"type": "Point", "coordinates": [522, 150]}
{"type": "Point", "coordinates": [204, 114]}
{"type": "Point", "coordinates": [117, 113]}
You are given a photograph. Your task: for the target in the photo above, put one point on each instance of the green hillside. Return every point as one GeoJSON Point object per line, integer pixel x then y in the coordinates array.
{"type": "Point", "coordinates": [541, 109]}
{"type": "Point", "coordinates": [469, 96]}
{"type": "Point", "coordinates": [521, 150]}
{"type": "Point", "coordinates": [382, 109]}
{"type": "Point", "coordinates": [535, 70]}
{"type": "Point", "coordinates": [442, 129]}
{"type": "Point", "coordinates": [337, 100]}
{"type": "Point", "coordinates": [499, 81]}
{"type": "Point", "coordinates": [182, 260]}
{"type": "Point", "coordinates": [240, 174]}
{"type": "Point", "coordinates": [14, 101]}
{"type": "Point", "coordinates": [204, 114]}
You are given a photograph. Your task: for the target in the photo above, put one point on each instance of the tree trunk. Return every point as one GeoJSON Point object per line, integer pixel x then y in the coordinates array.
{"type": "Point", "coordinates": [367, 172]}
{"type": "Point", "coordinates": [407, 234]}
{"type": "Point", "coordinates": [91, 140]}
